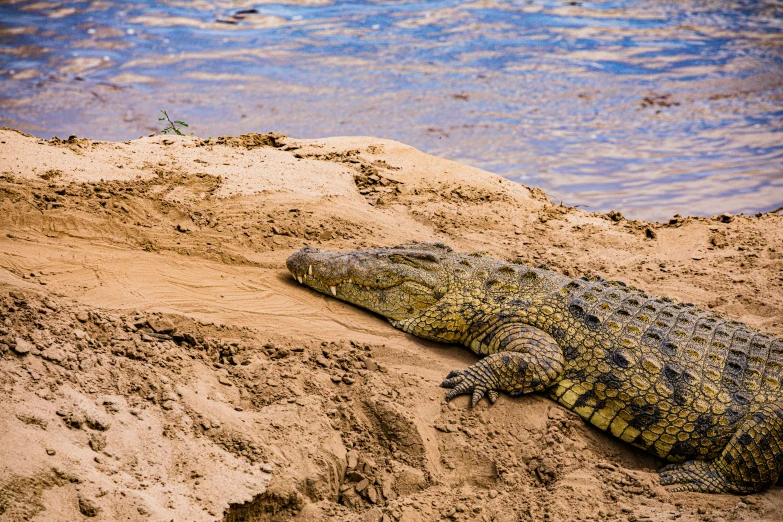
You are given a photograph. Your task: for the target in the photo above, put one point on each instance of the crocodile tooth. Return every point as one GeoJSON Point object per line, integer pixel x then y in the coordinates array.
{"type": "Point", "coordinates": [350, 280]}
{"type": "Point", "coordinates": [334, 290]}
{"type": "Point", "coordinates": [310, 270]}
{"type": "Point", "coordinates": [299, 278]}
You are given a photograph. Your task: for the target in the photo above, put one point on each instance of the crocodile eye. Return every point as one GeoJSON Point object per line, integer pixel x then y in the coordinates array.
{"type": "Point", "coordinates": [415, 259]}
{"type": "Point", "coordinates": [424, 256]}
{"type": "Point", "coordinates": [402, 260]}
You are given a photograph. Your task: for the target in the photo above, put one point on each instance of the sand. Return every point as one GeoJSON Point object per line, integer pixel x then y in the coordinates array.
{"type": "Point", "coordinates": [158, 362]}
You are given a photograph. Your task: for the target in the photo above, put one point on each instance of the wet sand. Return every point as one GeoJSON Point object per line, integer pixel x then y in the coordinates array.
{"type": "Point", "coordinates": [158, 362]}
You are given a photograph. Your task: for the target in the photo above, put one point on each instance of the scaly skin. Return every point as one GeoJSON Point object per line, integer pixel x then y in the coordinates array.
{"type": "Point", "coordinates": [677, 381]}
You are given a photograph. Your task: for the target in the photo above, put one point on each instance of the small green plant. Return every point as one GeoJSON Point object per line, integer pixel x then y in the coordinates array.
{"type": "Point", "coordinates": [173, 125]}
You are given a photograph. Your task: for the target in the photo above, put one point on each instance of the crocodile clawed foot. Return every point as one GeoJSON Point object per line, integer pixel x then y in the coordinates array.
{"type": "Point", "coordinates": [471, 381]}
{"type": "Point", "coordinates": [694, 475]}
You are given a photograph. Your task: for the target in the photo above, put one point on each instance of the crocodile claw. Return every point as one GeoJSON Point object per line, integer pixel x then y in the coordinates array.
{"type": "Point", "coordinates": [469, 382]}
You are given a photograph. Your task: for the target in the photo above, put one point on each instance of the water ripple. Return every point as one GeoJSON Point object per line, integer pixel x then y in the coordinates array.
{"type": "Point", "coordinates": [647, 107]}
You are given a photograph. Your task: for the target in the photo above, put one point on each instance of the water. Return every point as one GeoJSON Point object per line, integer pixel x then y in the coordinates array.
{"type": "Point", "coordinates": [647, 107]}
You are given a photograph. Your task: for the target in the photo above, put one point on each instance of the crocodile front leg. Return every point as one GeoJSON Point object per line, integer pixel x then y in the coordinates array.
{"type": "Point", "coordinates": [752, 460]}
{"type": "Point", "coordinates": [530, 361]}
{"type": "Point", "coordinates": [512, 337]}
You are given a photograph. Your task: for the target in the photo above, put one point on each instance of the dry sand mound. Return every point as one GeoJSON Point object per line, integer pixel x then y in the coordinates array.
{"type": "Point", "coordinates": [158, 362]}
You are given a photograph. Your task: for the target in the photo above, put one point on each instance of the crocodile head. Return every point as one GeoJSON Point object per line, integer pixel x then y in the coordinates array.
{"type": "Point", "coordinates": [398, 282]}
{"type": "Point", "coordinates": [422, 288]}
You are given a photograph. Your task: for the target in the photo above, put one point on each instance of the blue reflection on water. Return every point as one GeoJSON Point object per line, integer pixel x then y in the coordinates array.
{"type": "Point", "coordinates": [649, 107]}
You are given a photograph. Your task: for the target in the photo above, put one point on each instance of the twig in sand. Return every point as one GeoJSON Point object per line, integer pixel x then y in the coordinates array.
{"type": "Point", "coordinates": [172, 125]}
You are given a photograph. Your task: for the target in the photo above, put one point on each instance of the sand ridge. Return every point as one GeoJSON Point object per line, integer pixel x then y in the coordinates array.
{"type": "Point", "coordinates": [158, 361]}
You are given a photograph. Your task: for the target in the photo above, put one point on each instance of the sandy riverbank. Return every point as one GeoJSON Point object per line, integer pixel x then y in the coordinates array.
{"type": "Point", "coordinates": [158, 362]}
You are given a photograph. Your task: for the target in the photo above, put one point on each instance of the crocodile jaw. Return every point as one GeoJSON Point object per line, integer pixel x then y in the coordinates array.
{"type": "Point", "coordinates": [373, 279]}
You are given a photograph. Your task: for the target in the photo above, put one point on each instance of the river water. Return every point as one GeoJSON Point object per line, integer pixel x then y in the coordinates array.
{"type": "Point", "coordinates": [647, 107]}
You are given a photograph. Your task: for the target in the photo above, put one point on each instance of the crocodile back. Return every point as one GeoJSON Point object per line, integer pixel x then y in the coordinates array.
{"type": "Point", "coordinates": [666, 376]}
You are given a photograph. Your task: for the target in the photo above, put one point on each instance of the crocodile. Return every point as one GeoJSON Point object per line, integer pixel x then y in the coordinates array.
{"type": "Point", "coordinates": [690, 386]}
